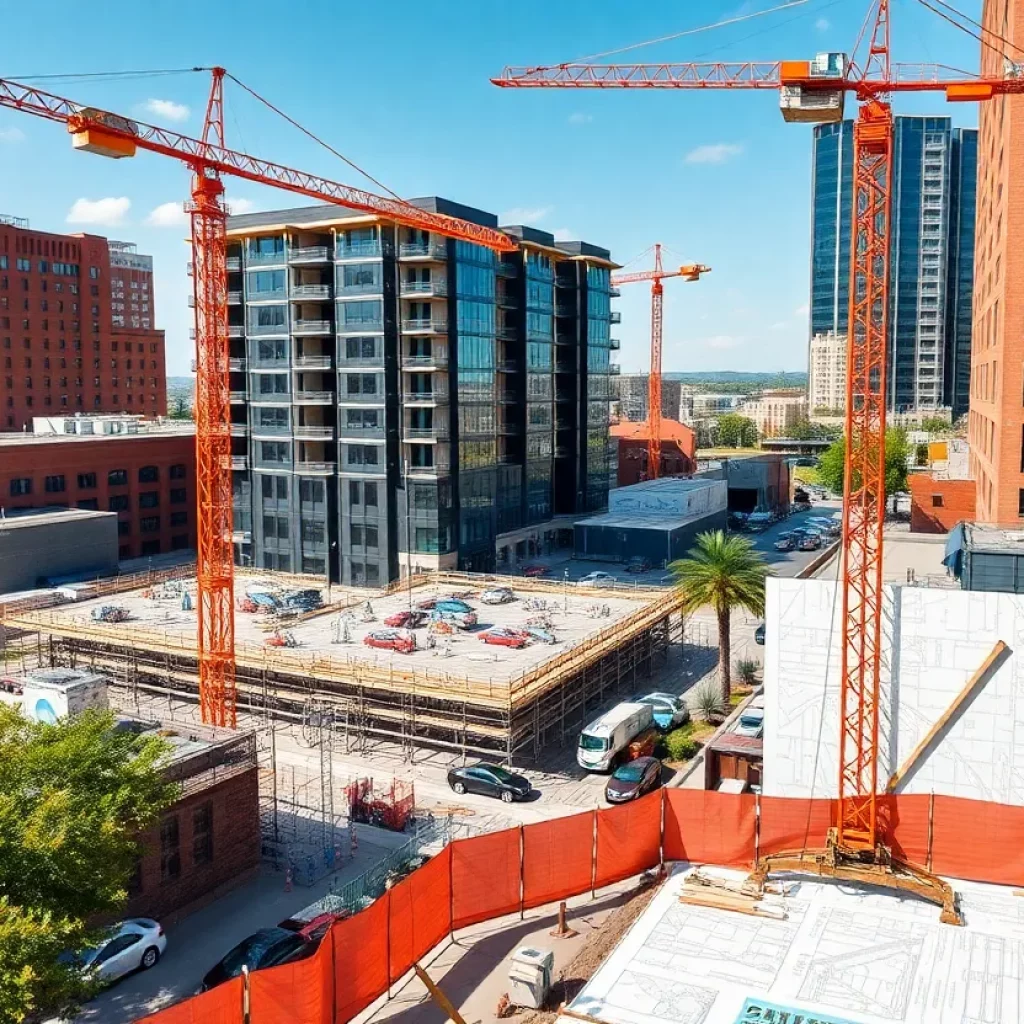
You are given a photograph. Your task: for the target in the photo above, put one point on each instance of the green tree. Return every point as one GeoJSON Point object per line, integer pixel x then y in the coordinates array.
{"type": "Point", "coordinates": [75, 798]}
{"type": "Point", "coordinates": [180, 408]}
{"type": "Point", "coordinates": [831, 465]}
{"type": "Point", "coordinates": [935, 424]}
{"type": "Point", "coordinates": [804, 430]}
{"type": "Point", "coordinates": [735, 431]}
{"type": "Point", "coordinates": [725, 572]}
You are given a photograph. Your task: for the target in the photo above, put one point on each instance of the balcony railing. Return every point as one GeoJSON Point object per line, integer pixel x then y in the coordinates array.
{"type": "Point", "coordinates": [437, 432]}
{"type": "Point", "coordinates": [311, 327]}
{"type": "Point", "coordinates": [311, 291]}
{"type": "Point", "coordinates": [423, 250]}
{"type": "Point", "coordinates": [239, 462]}
{"type": "Point", "coordinates": [508, 366]}
{"type": "Point", "coordinates": [237, 364]}
{"type": "Point", "coordinates": [266, 259]}
{"type": "Point", "coordinates": [236, 331]}
{"type": "Point", "coordinates": [360, 326]}
{"type": "Point", "coordinates": [358, 250]}
{"type": "Point", "coordinates": [312, 362]}
{"type": "Point", "coordinates": [614, 292]}
{"type": "Point", "coordinates": [303, 433]}
{"type": "Point", "coordinates": [438, 287]}
{"type": "Point", "coordinates": [565, 366]}
{"type": "Point", "coordinates": [309, 254]}
{"type": "Point", "coordinates": [234, 298]}
{"type": "Point", "coordinates": [438, 468]}
{"type": "Point", "coordinates": [313, 467]}
{"type": "Point", "coordinates": [507, 427]}
{"type": "Point", "coordinates": [506, 397]}
{"type": "Point", "coordinates": [421, 362]}
{"type": "Point", "coordinates": [425, 325]}
{"type": "Point", "coordinates": [507, 332]}
{"type": "Point", "coordinates": [239, 429]}
{"type": "Point", "coordinates": [615, 317]}
{"type": "Point", "coordinates": [615, 369]}
{"type": "Point", "coordinates": [361, 398]}
{"type": "Point", "coordinates": [314, 397]}
{"type": "Point", "coordinates": [344, 362]}
{"type": "Point", "coordinates": [271, 398]}
{"type": "Point", "coordinates": [263, 330]}
{"type": "Point", "coordinates": [438, 396]}
{"type": "Point", "coordinates": [505, 298]}
{"type": "Point", "coordinates": [359, 431]}
{"type": "Point", "coordinates": [236, 397]}
{"type": "Point", "coordinates": [271, 430]}
{"type": "Point", "coordinates": [232, 263]}
{"type": "Point", "coordinates": [267, 295]}
{"type": "Point", "coordinates": [614, 344]}
{"type": "Point", "coordinates": [565, 309]}
{"type": "Point", "coordinates": [507, 269]}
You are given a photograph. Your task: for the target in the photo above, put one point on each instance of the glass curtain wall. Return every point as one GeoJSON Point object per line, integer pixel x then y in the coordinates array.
{"type": "Point", "coordinates": [598, 386]}
{"type": "Point", "coordinates": [540, 297]}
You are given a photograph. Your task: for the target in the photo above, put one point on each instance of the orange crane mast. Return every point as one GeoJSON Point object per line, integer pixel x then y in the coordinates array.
{"type": "Point", "coordinates": [688, 272]}
{"type": "Point", "coordinates": [113, 135]}
{"type": "Point", "coordinates": [814, 92]}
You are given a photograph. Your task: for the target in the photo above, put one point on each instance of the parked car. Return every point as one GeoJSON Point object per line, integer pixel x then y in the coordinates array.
{"type": "Point", "coordinates": [10, 686]}
{"type": "Point", "coordinates": [391, 640]}
{"type": "Point", "coordinates": [461, 620]}
{"type": "Point", "coordinates": [543, 636]}
{"type": "Point", "coordinates": [668, 709]}
{"type": "Point", "coordinates": [759, 635]}
{"type": "Point", "coordinates": [633, 780]}
{"type": "Point", "coordinates": [135, 944]}
{"type": "Point", "coordinates": [751, 722]}
{"type": "Point", "coordinates": [407, 620]}
{"type": "Point", "coordinates": [801, 506]}
{"type": "Point", "coordinates": [604, 742]}
{"type": "Point", "coordinates": [501, 637]}
{"type": "Point", "coordinates": [638, 564]}
{"type": "Point", "coordinates": [536, 570]}
{"type": "Point", "coordinates": [266, 948]}
{"type": "Point", "coordinates": [489, 780]}
{"type": "Point", "coordinates": [597, 579]}
{"type": "Point", "coordinates": [809, 541]}
{"type": "Point", "coordinates": [759, 521]}
{"type": "Point", "coordinates": [497, 595]}
{"type": "Point", "coordinates": [785, 542]}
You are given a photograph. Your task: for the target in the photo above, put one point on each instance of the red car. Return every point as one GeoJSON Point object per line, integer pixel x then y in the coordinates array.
{"type": "Point", "coordinates": [406, 620]}
{"type": "Point", "coordinates": [536, 570]}
{"type": "Point", "coordinates": [391, 640]}
{"type": "Point", "coordinates": [505, 638]}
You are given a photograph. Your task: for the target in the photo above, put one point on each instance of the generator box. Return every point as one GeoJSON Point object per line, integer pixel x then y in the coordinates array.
{"type": "Point", "coordinates": [51, 694]}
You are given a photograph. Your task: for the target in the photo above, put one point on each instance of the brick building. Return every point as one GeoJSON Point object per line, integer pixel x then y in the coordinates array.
{"type": "Point", "coordinates": [77, 328]}
{"type": "Point", "coordinates": [678, 450]}
{"type": "Point", "coordinates": [996, 423]}
{"type": "Point", "coordinates": [143, 472]}
{"type": "Point", "coordinates": [937, 505]}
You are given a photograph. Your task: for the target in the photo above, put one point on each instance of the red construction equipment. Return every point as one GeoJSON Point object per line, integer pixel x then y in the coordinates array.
{"type": "Point", "coordinates": [688, 272]}
{"type": "Point", "coordinates": [113, 135]}
{"type": "Point", "coordinates": [813, 91]}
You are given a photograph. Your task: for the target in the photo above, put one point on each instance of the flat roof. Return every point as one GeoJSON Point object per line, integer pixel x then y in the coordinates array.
{"type": "Point", "coordinates": [993, 539]}
{"type": "Point", "coordinates": [841, 954]}
{"type": "Point", "coordinates": [642, 521]}
{"type": "Point", "coordinates": [13, 440]}
{"type": "Point", "coordinates": [907, 557]}
{"type": "Point", "coordinates": [22, 518]}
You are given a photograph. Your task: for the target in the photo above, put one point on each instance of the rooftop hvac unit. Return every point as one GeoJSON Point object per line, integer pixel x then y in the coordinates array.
{"type": "Point", "coordinates": [50, 694]}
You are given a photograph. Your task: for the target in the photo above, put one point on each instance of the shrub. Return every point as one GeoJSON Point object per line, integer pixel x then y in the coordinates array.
{"type": "Point", "coordinates": [707, 702]}
{"type": "Point", "coordinates": [680, 745]}
{"type": "Point", "coordinates": [746, 669]}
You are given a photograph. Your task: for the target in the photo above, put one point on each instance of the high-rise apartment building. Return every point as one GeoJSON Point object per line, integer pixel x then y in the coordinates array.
{"type": "Point", "coordinates": [76, 327]}
{"type": "Point", "coordinates": [996, 423]}
{"type": "Point", "coordinates": [826, 374]}
{"type": "Point", "coordinates": [630, 391]}
{"type": "Point", "coordinates": [932, 257]}
{"type": "Point", "coordinates": [776, 412]}
{"type": "Point", "coordinates": [401, 400]}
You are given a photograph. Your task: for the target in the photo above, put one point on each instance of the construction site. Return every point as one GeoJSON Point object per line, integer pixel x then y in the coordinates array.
{"type": "Point", "coordinates": [452, 692]}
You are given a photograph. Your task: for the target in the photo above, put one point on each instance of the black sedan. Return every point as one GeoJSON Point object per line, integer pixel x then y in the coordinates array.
{"type": "Point", "coordinates": [266, 948]}
{"type": "Point", "coordinates": [632, 780]}
{"type": "Point", "coordinates": [489, 780]}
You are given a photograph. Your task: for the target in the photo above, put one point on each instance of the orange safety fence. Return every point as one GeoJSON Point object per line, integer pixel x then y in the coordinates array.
{"type": "Point", "coordinates": [709, 828]}
{"type": "Point", "coordinates": [300, 991]}
{"type": "Point", "coordinates": [789, 823]}
{"type": "Point", "coordinates": [628, 839]}
{"type": "Point", "coordinates": [903, 821]}
{"type": "Point", "coordinates": [221, 1005]}
{"type": "Point", "coordinates": [558, 858]}
{"type": "Point", "coordinates": [978, 840]}
{"type": "Point", "coordinates": [360, 960]}
{"type": "Point", "coordinates": [420, 913]}
{"type": "Point", "coordinates": [485, 877]}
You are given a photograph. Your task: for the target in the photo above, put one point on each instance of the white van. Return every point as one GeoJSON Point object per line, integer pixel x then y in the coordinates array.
{"type": "Point", "coordinates": [603, 742]}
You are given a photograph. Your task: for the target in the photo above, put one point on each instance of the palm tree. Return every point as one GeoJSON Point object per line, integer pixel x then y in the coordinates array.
{"type": "Point", "coordinates": [724, 572]}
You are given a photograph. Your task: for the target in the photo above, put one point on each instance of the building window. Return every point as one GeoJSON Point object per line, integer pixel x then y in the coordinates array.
{"type": "Point", "coordinates": [170, 849]}
{"type": "Point", "coordinates": [312, 531]}
{"type": "Point", "coordinates": [936, 501]}
{"type": "Point", "coordinates": [118, 503]}
{"type": "Point", "coordinates": [178, 496]}
{"type": "Point", "coordinates": [149, 474]}
{"type": "Point", "coordinates": [202, 834]}
{"type": "Point", "coordinates": [88, 503]}
{"type": "Point", "coordinates": [150, 547]}
{"type": "Point", "coordinates": [179, 542]}
{"type": "Point", "coordinates": [177, 471]}
{"type": "Point", "coordinates": [117, 477]}
{"type": "Point", "coordinates": [55, 484]}
{"type": "Point", "coordinates": [23, 485]}
{"type": "Point", "coordinates": [149, 499]}
{"type": "Point", "coordinates": [86, 481]}
{"type": "Point", "coordinates": [149, 524]}
{"type": "Point", "coordinates": [179, 518]}
{"type": "Point", "coordinates": [124, 528]}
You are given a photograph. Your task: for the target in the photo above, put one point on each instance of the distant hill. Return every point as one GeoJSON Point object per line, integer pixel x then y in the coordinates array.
{"type": "Point", "coordinates": [180, 394]}
{"type": "Point", "coordinates": [790, 379]}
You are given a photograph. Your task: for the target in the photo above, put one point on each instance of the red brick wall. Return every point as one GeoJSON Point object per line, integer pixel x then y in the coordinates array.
{"type": "Point", "coordinates": [37, 459]}
{"type": "Point", "coordinates": [236, 851]}
{"type": "Point", "coordinates": [957, 497]}
{"type": "Point", "coordinates": [633, 460]}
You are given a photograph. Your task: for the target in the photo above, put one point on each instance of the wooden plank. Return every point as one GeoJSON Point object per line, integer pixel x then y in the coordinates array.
{"type": "Point", "coordinates": [972, 684]}
{"type": "Point", "coordinates": [438, 996]}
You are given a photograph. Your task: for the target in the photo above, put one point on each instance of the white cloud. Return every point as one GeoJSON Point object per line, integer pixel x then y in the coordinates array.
{"type": "Point", "coordinates": [168, 110]}
{"type": "Point", "coordinates": [779, 325]}
{"type": "Point", "coordinates": [167, 215]}
{"type": "Point", "coordinates": [580, 118]}
{"type": "Point", "coordinates": [12, 135]}
{"type": "Point", "coordinates": [564, 234]}
{"type": "Point", "coordinates": [524, 214]}
{"type": "Point", "coordinates": [714, 153]}
{"type": "Point", "coordinates": [823, 24]}
{"type": "Point", "coordinates": [802, 310]}
{"type": "Point", "coordinates": [236, 207]}
{"type": "Point", "coordinates": [721, 342]}
{"type": "Point", "coordinates": [107, 212]}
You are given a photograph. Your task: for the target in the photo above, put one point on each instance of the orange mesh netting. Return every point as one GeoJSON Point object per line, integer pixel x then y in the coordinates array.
{"type": "Point", "coordinates": [794, 824]}
{"type": "Point", "coordinates": [421, 913]}
{"type": "Point", "coordinates": [294, 992]}
{"type": "Point", "coordinates": [628, 839]}
{"type": "Point", "coordinates": [557, 858]}
{"type": "Point", "coordinates": [485, 876]}
{"type": "Point", "coordinates": [221, 1005]}
{"type": "Point", "coordinates": [360, 959]}
{"type": "Point", "coordinates": [903, 825]}
{"type": "Point", "coordinates": [976, 840]}
{"type": "Point", "coordinates": [709, 828]}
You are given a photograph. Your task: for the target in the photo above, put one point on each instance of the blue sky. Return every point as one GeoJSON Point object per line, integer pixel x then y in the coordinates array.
{"type": "Point", "coordinates": [718, 177]}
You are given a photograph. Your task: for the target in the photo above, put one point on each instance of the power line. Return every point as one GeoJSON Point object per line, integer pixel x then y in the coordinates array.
{"type": "Point", "coordinates": [978, 24]}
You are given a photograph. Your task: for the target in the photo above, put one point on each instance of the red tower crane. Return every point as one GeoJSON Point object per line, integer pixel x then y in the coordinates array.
{"type": "Point", "coordinates": [688, 272]}
{"type": "Point", "coordinates": [813, 91]}
{"type": "Point", "coordinates": [112, 135]}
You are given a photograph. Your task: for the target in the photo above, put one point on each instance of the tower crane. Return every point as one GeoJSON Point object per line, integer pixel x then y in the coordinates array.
{"type": "Point", "coordinates": [112, 135]}
{"type": "Point", "coordinates": [814, 91]}
{"type": "Point", "coordinates": [688, 272]}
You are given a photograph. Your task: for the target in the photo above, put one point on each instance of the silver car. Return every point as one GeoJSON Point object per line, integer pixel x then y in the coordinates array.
{"type": "Point", "coordinates": [135, 944]}
{"type": "Point", "coordinates": [597, 579]}
{"type": "Point", "coordinates": [668, 709]}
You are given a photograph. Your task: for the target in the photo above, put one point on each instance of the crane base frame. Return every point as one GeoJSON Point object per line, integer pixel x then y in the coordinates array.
{"type": "Point", "coordinates": [865, 867]}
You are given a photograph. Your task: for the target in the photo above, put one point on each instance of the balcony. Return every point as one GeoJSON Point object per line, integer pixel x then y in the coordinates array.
{"type": "Point", "coordinates": [309, 254]}
{"type": "Point", "coordinates": [564, 338]}
{"type": "Point", "coordinates": [508, 429]}
{"type": "Point", "coordinates": [236, 331]}
{"type": "Point", "coordinates": [236, 397]}
{"type": "Point", "coordinates": [508, 397]}
{"type": "Point", "coordinates": [267, 330]}
{"type": "Point", "coordinates": [562, 451]}
{"type": "Point", "coordinates": [239, 462]}
{"type": "Point", "coordinates": [507, 459]}
{"type": "Point", "coordinates": [318, 433]}
{"type": "Point", "coordinates": [233, 264]}
{"type": "Point", "coordinates": [614, 344]}
{"type": "Point", "coordinates": [312, 362]}
{"type": "Point", "coordinates": [266, 259]}
{"type": "Point", "coordinates": [314, 397]}
{"type": "Point", "coordinates": [237, 365]}
{"type": "Point", "coordinates": [361, 398]}
{"type": "Point", "coordinates": [437, 396]}
{"type": "Point", "coordinates": [261, 430]}
{"type": "Point", "coordinates": [310, 291]}
{"type": "Point", "coordinates": [311, 328]}
{"type": "Point", "coordinates": [565, 366]}
{"type": "Point", "coordinates": [565, 309]}
{"type": "Point", "coordinates": [614, 369]}
{"type": "Point", "coordinates": [562, 395]}
{"type": "Point", "coordinates": [271, 398]}
{"type": "Point", "coordinates": [436, 360]}
{"type": "Point", "coordinates": [239, 429]}
{"type": "Point", "coordinates": [234, 298]}
{"type": "Point", "coordinates": [436, 432]}
{"type": "Point", "coordinates": [268, 362]}
{"type": "Point", "coordinates": [355, 362]}
{"type": "Point", "coordinates": [615, 317]}
{"type": "Point", "coordinates": [506, 300]}
{"type": "Point", "coordinates": [507, 332]}
{"type": "Point", "coordinates": [425, 325]}
{"type": "Point", "coordinates": [360, 432]}
{"type": "Point", "coordinates": [507, 270]}
{"type": "Point", "coordinates": [440, 467]}
{"type": "Point", "coordinates": [360, 326]}
{"type": "Point", "coordinates": [508, 366]}
{"type": "Point", "coordinates": [358, 251]}
{"type": "Point", "coordinates": [614, 292]}
{"type": "Point", "coordinates": [423, 250]}
{"type": "Point", "coordinates": [314, 468]}
{"type": "Point", "coordinates": [437, 288]}
{"type": "Point", "coordinates": [267, 295]}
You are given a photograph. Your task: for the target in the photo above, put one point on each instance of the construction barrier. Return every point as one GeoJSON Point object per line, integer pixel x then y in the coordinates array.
{"type": "Point", "coordinates": [489, 876]}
